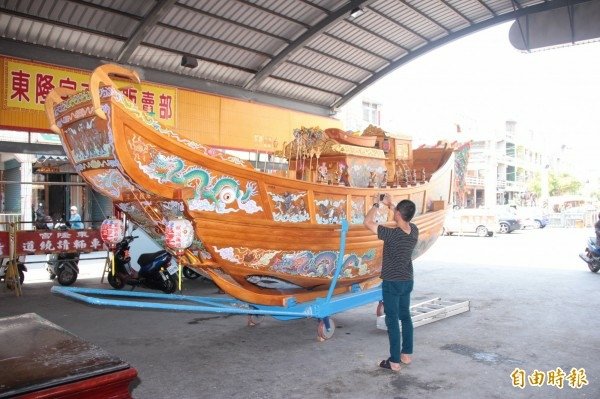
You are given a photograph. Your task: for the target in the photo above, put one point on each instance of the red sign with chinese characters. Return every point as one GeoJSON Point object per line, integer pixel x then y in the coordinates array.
{"type": "Point", "coordinates": [4, 244]}
{"type": "Point", "coordinates": [39, 242]}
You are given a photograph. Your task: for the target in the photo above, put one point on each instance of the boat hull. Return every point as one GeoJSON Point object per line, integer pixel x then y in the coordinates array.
{"type": "Point", "coordinates": [262, 238]}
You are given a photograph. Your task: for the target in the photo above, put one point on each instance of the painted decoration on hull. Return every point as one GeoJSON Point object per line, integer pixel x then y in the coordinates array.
{"type": "Point", "coordinates": [158, 128]}
{"type": "Point", "coordinates": [88, 136]}
{"type": "Point", "coordinates": [222, 194]}
{"type": "Point", "coordinates": [357, 211]}
{"type": "Point", "coordinates": [330, 209]}
{"type": "Point", "coordinates": [300, 263]}
{"type": "Point", "coordinates": [288, 206]}
{"type": "Point", "coordinates": [109, 182]}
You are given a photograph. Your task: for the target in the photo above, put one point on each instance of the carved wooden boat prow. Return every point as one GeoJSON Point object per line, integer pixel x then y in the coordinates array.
{"type": "Point", "coordinates": [263, 238]}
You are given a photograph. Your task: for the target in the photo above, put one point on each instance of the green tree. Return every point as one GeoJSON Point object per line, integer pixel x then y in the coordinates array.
{"type": "Point", "coordinates": [558, 184]}
{"type": "Point", "coordinates": [562, 184]}
{"type": "Point", "coordinates": [535, 185]}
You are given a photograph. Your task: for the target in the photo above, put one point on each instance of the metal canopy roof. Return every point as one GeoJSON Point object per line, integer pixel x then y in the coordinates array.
{"type": "Point", "coordinates": [312, 55]}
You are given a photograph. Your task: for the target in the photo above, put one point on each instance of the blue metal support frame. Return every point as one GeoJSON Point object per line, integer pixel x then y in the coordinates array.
{"type": "Point", "coordinates": [320, 308]}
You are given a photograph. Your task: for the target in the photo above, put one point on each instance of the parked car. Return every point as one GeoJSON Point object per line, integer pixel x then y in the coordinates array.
{"type": "Point", "coordinates": [482, 222]}
{"type": "Point", "coordinates": [530, 217]}
{"type": "Point", "coordinates": [508, 223]}
{"type": "Point", "coordinates": [534, 218]}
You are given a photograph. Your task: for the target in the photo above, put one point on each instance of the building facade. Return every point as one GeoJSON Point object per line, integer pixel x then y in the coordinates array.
{"type": "Point", "coordinates": [501, 168]}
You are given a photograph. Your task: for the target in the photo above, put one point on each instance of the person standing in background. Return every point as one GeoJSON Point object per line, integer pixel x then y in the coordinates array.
{"type": "Point", "coordinates": [75, 219]}
{"type": "Point", "coordinates": [40, 216]}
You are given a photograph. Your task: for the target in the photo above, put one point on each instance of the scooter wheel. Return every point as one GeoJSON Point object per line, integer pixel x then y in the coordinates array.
{"type": "Point", "coordinates": [169, 285]}
{"type": "Point", "coordinates": [66, 276]}
{"type": "Point", "coordinates": [116, 281]}
{"type": "Point", "coordinates": [190, 274]}
{"type": "Point", "coordinates": [21, 277]}
{"type": "Point", "coordinates": [594, 267]}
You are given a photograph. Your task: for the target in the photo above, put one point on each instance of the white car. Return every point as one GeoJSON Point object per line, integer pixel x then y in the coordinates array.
{"type": "Point", "coordinates": [482, 222]}
{"type": "Point", "coordinates": [534, 218]}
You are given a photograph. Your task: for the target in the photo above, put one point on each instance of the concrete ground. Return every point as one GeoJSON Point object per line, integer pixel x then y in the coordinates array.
{"type": "Point", "coordinates": [534, 306]}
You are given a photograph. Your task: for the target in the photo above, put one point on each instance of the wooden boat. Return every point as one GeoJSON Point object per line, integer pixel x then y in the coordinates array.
{"type": "Point", "coordinates": [347, 138]}
{"type": "Point", "coordinates": [267, 239]}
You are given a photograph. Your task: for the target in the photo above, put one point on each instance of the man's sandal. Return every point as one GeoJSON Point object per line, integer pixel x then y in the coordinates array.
{"type": "Point", "coordinates": [386, 364]}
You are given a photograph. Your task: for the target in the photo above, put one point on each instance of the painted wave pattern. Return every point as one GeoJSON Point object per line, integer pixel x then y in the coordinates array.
{"type": "Point", "coordinates": [298, 263]}
{"type": "Point", "coordinates": [211, 193]}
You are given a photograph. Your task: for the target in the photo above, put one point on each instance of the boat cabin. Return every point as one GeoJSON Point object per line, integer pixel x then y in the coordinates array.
{"type": "Point", "coordinates": [372, 159]}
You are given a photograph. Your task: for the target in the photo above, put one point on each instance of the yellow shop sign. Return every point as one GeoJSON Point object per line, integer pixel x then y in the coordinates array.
{"type": "Point", "coordinates": [27, 84]}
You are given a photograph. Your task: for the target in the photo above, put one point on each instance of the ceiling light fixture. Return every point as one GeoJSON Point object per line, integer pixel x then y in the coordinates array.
{"type": "Point", "coordinates": [356, 12]}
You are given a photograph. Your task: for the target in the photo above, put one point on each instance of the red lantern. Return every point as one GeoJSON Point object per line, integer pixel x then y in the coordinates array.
{"type": "Point", "coordinates": [179, 235]}
{"type": "Point", "coordinates": [111, 231]}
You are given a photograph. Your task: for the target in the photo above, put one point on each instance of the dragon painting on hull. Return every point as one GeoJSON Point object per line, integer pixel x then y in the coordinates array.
{"type": "Point", "coordinates": [263, 238]}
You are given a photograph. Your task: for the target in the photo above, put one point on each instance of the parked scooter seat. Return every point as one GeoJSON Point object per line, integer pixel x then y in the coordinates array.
{"type": "Point", "coordinates": [144, 259]}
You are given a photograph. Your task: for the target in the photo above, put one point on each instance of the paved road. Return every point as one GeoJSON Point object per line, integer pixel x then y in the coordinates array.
{"type": "Point", "coordinates": [534, 306]}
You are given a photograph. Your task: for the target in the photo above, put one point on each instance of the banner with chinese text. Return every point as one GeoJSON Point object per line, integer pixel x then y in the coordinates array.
{"type": "Point", "coordinates": [39, 242]}
{"type": "Point", "coordinates": [4, 244]}
{"type": "Point", "coordinates": [26, 85]}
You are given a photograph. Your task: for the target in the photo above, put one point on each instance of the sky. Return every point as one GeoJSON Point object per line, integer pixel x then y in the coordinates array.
{"type": "Point", "coordinates": [480, 81]}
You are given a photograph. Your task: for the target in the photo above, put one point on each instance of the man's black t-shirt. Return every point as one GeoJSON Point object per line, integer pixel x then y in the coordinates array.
{"type": "Point", "coordinates": [397, 252]}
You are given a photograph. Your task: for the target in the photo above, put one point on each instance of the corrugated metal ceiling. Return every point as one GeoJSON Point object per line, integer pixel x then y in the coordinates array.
{"type": "Point", "coordinates": [306, 51]}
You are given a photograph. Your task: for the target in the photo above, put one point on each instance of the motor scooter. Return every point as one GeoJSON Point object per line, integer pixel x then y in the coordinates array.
{"type": "Point", "coordinates": [63, 266]}
{"type": "Point", "coordinates": [156, 271]}
{"type": "Point", "coordinates": [591, 256]}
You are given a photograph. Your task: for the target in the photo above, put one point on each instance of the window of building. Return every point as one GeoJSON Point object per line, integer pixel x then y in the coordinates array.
{"type": "Point", "coordinates": [371, 112]}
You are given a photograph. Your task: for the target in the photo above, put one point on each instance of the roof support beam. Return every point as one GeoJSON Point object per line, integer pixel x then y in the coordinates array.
{"type": "Point", "coordinates": [490, 10]}
{"type": "Point", "coordinates": [200, 58]}
{"type": "Point", "coordinates": [297, 83]}
{"type": "Point", "coordinates": [106, 9]}
{"type": "Point", "coordinates": [377, 35]}
{"type": "Point", "coordinates": [433, 21]}
{"type": "Point", "coordinates": [364, 50]}
{"type": "Point", "coordinates": [571, 23]}
{"type": "Point", "coordinates": [460, 14]}
{"type": "Point", "coordinates": [212, 39]}
{"type": "Point", "coordinates": [233, 22]}
{"type": "Point", "coordinates": [406, 28]}
{"type": "Point", "coordinates": [62, 24]}
{"type": "Point", "coordinates": [516, 13]}
{"type": "Point", "coordinates": [158, 11]}
{"type": "Point", "coordinates": [277, 14]}
{"type": "Point", "coordinates": [338, 59]}
{"type": "Point", "coordinates": [307, 36]}
{"type": "Point", "coordinates": [331, 75]}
